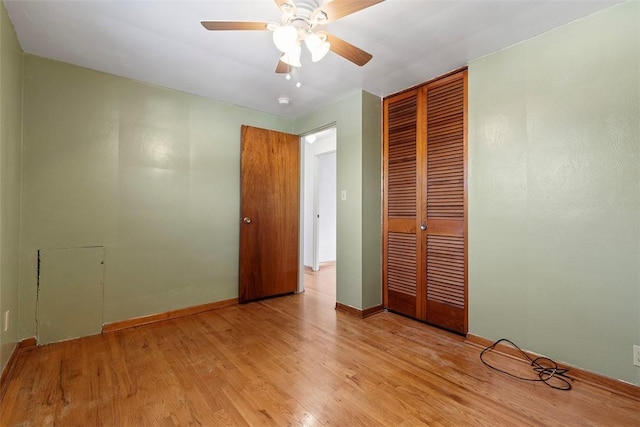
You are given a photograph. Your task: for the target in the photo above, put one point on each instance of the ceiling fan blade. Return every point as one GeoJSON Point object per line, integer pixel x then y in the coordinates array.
{"type": "Point", "coordinates": [233, 25]}
{"type": "Point", "coordinates": [348, 51]}
{"type": "Point", "coordinates": [282, 68]}
{"type": "Point", "coordinates": [337, 9]}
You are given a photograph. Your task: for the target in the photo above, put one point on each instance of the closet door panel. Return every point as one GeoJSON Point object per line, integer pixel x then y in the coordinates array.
{"type": "Point", "coordinates": [401, 245]}
{"type": "Point", "coordinates": [445, 207]}
{"type": "Point", "coordinates": [424, 228]}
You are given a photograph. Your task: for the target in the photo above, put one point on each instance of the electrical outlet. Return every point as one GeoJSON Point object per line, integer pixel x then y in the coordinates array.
{"type": "Point", "coordinates": [636, 355]}
{"type": "Point", "coordinates": [6, 320]}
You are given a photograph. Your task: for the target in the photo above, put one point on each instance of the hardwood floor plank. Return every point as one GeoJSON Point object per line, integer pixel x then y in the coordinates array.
{"type": "Point", "coordinates": [293, 360]}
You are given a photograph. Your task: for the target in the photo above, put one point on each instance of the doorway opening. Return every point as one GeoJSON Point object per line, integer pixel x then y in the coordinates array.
{"type": "Point", "coordinates": [319, 210]}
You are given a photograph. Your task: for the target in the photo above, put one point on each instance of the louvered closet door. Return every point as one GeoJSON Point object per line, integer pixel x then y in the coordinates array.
{"type": "Point", "coordinates": [445, 203]}
{"type": "Point", "coordinates": [401, 243]}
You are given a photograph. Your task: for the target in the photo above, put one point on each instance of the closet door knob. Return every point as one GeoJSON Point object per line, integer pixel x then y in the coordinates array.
{"type": "Point", "coordinates": [246, 220]}
{"type": "Point", "coordinates": [423, 227]}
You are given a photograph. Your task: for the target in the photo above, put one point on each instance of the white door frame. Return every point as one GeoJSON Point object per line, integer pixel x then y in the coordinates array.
{"type": "Point", "coordinates": [316, 214]}
{"type": "Point", "coordinates": [303, 148]}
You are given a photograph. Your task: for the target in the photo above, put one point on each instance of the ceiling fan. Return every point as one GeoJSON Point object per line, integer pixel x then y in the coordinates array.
{"type": "Point", "coordinates": [299, 24]}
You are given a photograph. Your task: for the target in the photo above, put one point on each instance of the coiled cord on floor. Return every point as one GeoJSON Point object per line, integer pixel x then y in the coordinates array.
{"type": "Point", "coordinates": [546, 368]}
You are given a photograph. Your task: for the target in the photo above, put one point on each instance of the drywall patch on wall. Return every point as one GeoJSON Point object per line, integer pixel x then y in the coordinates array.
{"type": "Point", "coordinates": [70, 300]}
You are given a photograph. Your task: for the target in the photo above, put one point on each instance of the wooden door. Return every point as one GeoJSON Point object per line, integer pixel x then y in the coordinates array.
{"type": "Point", "coordinates": [401, 239]}
{"type": "Point", "coordinates": [424, 217]}
{"type": "Point", "coordinates": [444, 203]}
{"type": "Point", "coordinates": [269, 210]}
{"type": "Point", "coordinates": [70, 293]}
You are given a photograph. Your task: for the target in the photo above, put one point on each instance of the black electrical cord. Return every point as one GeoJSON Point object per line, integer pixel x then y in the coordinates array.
{"type": "Point", "coordinates": [545, 373]}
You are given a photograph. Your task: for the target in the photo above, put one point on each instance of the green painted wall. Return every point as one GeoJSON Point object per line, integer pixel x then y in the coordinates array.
{"type": "Point", "coordinates": [371, 200]}
{"type": "Point", "coordinates": [357, 120]}
{"type": "Point", "coordinates": [11, 65]}
{"type": "Point", "coordinates": [554, 193]}
{"type": "Point", "coordinates": [346, 114]}
{"type": "Point", "coordinates": [149, 173]}
{"type": "Point", "coordinates": [153, 175]}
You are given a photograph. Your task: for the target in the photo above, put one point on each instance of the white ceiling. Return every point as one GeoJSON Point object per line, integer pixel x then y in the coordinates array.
{"type": "Point", "coordinates": [162, 42]}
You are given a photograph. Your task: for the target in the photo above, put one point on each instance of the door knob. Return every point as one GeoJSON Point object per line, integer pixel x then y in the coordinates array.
{"type": "Point", "coordinates": [246, 220]}
{"type": "Point", "coordinates": [423, 227]}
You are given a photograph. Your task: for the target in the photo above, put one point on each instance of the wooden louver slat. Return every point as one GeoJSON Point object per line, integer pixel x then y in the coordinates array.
{"type": "Point", "coordinates": [401, 263]}
{"type": "Point", "coordinates": [401, 174]}
{"type": "Point", "coordinates": [446, 284]}
{"type": "Point", "coordinates": [445, 160]}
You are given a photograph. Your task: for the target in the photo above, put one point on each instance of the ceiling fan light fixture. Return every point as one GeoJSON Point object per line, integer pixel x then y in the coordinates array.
{"type": "Point", "coordinates": [317, 46]}
{"type": "Point", "coordinates": [285, 37]}
{"type": "Point", "coordinates": [321, 52]}
{"type": "Point", "coordinates": [292, 57]}
{"type": "Point", "coordinates": [313, 41]}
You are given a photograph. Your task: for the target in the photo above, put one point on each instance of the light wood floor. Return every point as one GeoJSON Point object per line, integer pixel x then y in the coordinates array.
{"type": "Point", "coordinates": [288, 361]}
